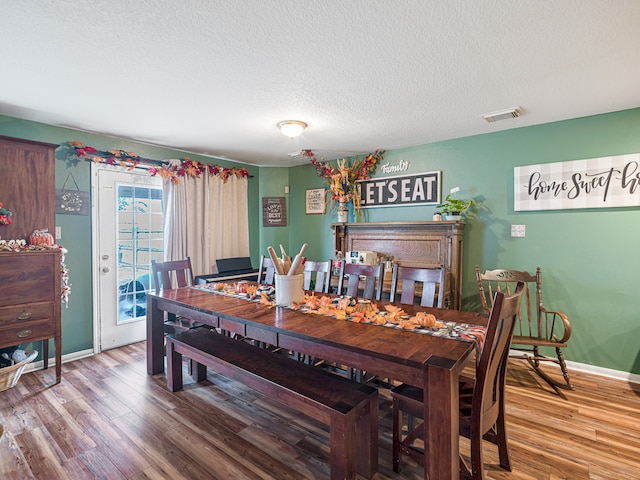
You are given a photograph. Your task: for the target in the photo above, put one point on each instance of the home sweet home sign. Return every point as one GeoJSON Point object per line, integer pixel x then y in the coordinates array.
{"type": "Point", "coordinates": [603, 182]}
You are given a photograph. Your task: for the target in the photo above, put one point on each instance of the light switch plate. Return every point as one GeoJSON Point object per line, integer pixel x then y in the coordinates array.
{"type": "Point", "coordinates": [517, 230]}
{"type": "Point", "coordinates": [58, 232]}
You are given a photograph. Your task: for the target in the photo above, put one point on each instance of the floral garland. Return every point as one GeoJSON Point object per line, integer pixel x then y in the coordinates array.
{"type": "Point", "coordinates": [343, 178]}
{"type": "Point", "coordinates": [5, 215]}
{"type": "Point", "coordinates": [172, 170]}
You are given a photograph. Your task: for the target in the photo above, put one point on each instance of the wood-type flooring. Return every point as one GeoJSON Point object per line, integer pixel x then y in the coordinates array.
{"type": "Point", "coordinates": [108, 419]}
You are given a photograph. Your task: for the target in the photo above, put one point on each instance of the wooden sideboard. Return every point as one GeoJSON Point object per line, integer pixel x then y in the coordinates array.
{"type": "Point", "coordinates": [30, 280]}
{"type": "Point", "coordinates": [30, 301]}
{"type": "Point", "coordinates": [416, 244]}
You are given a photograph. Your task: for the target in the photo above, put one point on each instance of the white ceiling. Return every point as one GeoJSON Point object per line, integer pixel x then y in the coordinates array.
{"type": "Point", "coordinates": [215, 76]}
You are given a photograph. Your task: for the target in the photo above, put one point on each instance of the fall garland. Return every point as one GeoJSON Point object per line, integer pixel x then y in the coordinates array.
{"type": "Point", "coordinates": [172, 170]}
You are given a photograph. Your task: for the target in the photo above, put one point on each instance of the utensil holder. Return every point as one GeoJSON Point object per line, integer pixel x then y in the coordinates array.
{"type": "Point", "coordinates": [289, 289]}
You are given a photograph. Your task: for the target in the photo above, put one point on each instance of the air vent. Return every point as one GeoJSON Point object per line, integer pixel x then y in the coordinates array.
{"type": "Point", "coordinates": [502, 114]}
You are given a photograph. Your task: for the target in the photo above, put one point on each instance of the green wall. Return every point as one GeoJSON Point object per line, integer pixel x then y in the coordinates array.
{"type": "Point", "coordinates": [77, 319]}
{"type": "Point", "coordinates": [590, 259]}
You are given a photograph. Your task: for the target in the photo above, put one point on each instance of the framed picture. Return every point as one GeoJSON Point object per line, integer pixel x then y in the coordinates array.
{"type": "Point", "coordinates": [315, 201]}
{"type": "Point", "coordinates": [274, 212]}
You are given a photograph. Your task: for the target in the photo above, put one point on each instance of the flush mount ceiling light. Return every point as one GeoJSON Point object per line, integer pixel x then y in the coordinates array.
{"type": "Point", "coordinates": [291, 128]}
{"type": "Point", "coordinates": [502, 114]}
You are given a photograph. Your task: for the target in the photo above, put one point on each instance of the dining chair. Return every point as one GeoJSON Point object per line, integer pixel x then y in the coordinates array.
{"type": "Point", "coordinates": [266, 271]}
{"type": "Point", "coordinates": [537, 327]}
{"type": "Point", "coordinates": [481, 405]}
{"type": "Point", "coordinates": [169, 275]}
{"type": "Point", "coordinates": [431, 279]}
{"type": "Point", "coordinates": [373, 280]}
{"type": "Point", "coordinates": [319, 273]}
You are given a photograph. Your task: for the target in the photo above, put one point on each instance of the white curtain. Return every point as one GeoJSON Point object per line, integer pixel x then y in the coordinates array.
{"type": "Point", "coordinates": [206, 218]}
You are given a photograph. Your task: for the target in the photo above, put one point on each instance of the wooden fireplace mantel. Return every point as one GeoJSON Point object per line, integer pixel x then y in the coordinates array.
{"type": "Point", "coordinates": [416, 244]}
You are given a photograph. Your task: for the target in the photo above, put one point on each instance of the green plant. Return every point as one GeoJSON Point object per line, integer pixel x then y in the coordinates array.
{"type": "Point", "coordinates": [453, 206]}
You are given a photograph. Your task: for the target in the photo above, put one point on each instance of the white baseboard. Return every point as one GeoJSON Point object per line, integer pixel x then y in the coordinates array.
{"type": "Point", "coordinates": [70, 357]}
{"type": "Point", "coordinates": [592, 369]}
{"type": "Point", "coordinates": [604, 372]}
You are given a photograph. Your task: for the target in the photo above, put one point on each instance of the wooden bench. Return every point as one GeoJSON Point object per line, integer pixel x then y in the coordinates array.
{"type": "Point", "coordinates": [349, 408]}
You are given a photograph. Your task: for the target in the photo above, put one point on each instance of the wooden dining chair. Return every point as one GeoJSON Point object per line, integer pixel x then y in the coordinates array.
{"type": "Point", "coordinates": [319, 273]}
{"type": "Point", "coordinates": [537, 327]}
{"type": "Point", "coordinates": [481, 405]}
{"type": "Point", "coordinates": [266, 271]}
{"type": "Point", "coordinates": [176, 274]}
{"type": "Point", "coordinates": [431, 279]}
{"type": "Point", "coordinates": [373, 280]}
{"type": "Point", "coordinates": [169, 275]}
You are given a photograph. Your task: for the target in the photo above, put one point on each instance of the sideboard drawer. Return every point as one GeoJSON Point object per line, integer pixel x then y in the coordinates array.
{"type": "Point", "coordinates": [26, 313]}
{"type": "Point", "coordinates": [28, 278]}
{"type": "Point", "coordinates": [15, 335]}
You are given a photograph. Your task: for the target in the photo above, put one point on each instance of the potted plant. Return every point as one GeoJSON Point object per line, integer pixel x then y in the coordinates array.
{"type": "Point", "coordinates": [452, 208]}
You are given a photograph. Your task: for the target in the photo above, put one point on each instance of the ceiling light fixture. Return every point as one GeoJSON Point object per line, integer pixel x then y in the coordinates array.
{"type": "Point", "coordinates": [291, 128]}
{"type": "Point", "coordinates": [502, 114]}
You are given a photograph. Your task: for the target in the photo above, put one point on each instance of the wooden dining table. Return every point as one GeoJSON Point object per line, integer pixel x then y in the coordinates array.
{"type": "Point", "coordinates": [431, 362]}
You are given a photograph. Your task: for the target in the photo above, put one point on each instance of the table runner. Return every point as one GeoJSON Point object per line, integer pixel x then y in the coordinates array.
{"type": "Point", "coordinates": [392, 317]}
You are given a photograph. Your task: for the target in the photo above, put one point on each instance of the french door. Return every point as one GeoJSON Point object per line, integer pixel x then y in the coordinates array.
{"type": "Point", "coordinates": [127, 237]}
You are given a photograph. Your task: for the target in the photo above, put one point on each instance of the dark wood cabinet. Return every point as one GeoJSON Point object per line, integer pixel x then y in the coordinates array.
{"type": "Point", "coordinates": [29, 280]}
{"type": "Point", "coordinates": [30, 301]}
{"type": "Point", "coordinates": [417, 244]}
{"type": "Point", "coordinates": [27, 186]}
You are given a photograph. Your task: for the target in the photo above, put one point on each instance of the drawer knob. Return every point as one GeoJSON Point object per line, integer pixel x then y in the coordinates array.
{"type": "Point", "coordinates": [23, 333]}
{"type": "Point", "coordinates": [24, 316]}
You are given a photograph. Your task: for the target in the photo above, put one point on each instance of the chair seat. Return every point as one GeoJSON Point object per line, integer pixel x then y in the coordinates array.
{"type": "Point", "coordinates": [540, 342]}
{"type": "Point", "coordinates": [180, 325]}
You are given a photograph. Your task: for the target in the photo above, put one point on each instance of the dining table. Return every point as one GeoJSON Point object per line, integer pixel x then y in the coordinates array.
{"type": "Point", "coordinates": [428, 361]}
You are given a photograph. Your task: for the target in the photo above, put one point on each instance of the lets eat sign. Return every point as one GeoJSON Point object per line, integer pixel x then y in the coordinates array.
{"type": "Point", "coordinates": [406, 190]}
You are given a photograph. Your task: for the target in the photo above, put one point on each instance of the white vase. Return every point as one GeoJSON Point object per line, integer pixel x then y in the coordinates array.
{"type": "Point", "coordinates": [343, 213]}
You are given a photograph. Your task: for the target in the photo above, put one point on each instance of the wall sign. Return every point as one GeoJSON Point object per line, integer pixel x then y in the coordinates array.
{"type": "Point", "coordinates": [71, 202]}
{"type": "Point", "coordinates": [315, 201]}
{"type": "Point", "coordinates": [592, 183]}
{"type": "Point", "coordinates": [274, 212]}
{"type": "Point", "coordinates": [417, 189]}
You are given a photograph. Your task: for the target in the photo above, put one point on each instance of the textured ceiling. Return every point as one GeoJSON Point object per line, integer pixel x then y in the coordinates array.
{"type": "Point", "coordinates": [215, 76]}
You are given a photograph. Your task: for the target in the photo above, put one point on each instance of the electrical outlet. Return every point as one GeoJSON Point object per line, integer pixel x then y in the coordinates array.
{"type": "Point", "coordinates": [517, 230]}
{"type": "Point", "coordinates": [58, 232]}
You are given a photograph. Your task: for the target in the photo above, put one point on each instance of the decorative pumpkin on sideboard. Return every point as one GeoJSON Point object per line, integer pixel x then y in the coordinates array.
{"type": "Point", "coordinates": [41, 237]}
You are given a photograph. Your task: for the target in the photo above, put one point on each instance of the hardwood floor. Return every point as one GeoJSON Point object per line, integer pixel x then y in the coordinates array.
{"type": "Point", "coordinates": [108, 419]}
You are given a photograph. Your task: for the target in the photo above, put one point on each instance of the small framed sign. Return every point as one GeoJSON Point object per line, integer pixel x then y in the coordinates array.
{"type": "Point", "coordinates": [315, 203]}
{"type": "Point", "coordinates": [274, 212]}
{"type": "Point", "coordinates": [71, 202]}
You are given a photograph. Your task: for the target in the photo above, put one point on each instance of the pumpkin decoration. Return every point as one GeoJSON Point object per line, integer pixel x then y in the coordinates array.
{"type": "Point", "coordinates": [424, 320]}
{"type": "Point", "coordinates": [41, 237]}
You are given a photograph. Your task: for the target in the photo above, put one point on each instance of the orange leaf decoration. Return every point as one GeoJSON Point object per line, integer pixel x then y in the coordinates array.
{"type": "Point", "coordinates": [407, 325]}
{"type": "Point", "coordinates": [395, 311]}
